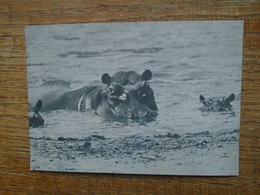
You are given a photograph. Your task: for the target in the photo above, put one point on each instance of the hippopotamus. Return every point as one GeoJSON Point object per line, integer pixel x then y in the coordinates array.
{"type": "Point", "coordinates": [137, 85]}
{"type": "Point", "coordinates": [140, 101]}
{"type": "Point", "coordinates": [35, 119]}
{"type": "Point", "coordinates": [124, 95]}
{"type": "Point", "coordinates": [216, 104]}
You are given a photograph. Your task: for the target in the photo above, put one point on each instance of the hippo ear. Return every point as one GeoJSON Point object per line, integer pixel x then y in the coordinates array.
{"type": "Point", "coordinates": [202, 99]}
{"type": "Point", "coordinates": [147, 75]}
{"type": "Point", "coordinates": [106, 79]}
{"type": "Point", "coordinates": [38, 106]}
{"type": "Point", "coordinates": [230, 98]}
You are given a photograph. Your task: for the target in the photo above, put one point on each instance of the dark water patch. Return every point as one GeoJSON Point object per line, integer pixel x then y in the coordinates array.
{"type": "Point", "coordinates": [89, 138]}
{"type": "Point", "coordinates": [188, 79]}
{"type": "Point", "coordinates": [195, 75]}
{"type": "Point", "coordinates": [87, 54]}
{"type": "Point", "coordinates": [203, 133]}
{"type": "Point", "coordinates": [152, 62]}
{"type": "Point", "coordinates": [36, 64]}
{"type": "Point", "coordinates": [175, 103]}
{"type": "Point", "coordinates": [182, 46]}
{"type": "Point", "coordinates": [100, 31]}
{"type": "Point", "coordinates": [142, 50]}
{"type": "Point", "coordinates": [169, 67]}
{"type": "Point", "coordinates": [67, 139]}
{"type": "Point", "coordinates": [57, 37]}
{"type": "Point", "coordinates": [41, 138]}
{"type": "Point", "coordinates": [71, 39]}
{"type": "Point", "coordinates": [237, 81]}
{"type": "Point", "coordinates": [195, 56]}
{"type": "Point", "coordinates": [168, 135]}
{"type": "Point", "coordinates": [80, 54]}
{"type": "Point", "coordinates": [183, 64]}
{"type": "Point", "coordinates": [57, 83]}
{"type": "Point", "coordinates": [234, 131]}
{"type": "Point", "coordinates": [98, 137]}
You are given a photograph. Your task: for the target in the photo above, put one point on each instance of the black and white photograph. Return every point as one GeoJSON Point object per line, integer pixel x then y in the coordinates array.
{"type": "Point", "coordinates": [159, 98]}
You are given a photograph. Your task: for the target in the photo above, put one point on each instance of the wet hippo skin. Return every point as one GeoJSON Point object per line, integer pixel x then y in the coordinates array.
{"type": "Point", "coordinates": [35, 119]}
{"type": "Point", "coordinates": [125, 95]}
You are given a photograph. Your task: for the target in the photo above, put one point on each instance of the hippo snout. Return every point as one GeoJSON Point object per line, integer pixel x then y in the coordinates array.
{"type": "Point", "coordinates": [36, 120]}
{"type": "Point", "coordinates": [125, 98]}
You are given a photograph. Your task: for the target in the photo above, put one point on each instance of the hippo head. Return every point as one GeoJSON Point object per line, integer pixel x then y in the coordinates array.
{"type": "Point", "coordinates": [114, 94]}
{"type": "Point", "coordinates": [36, 120]}
{"type": "Point", "coordinates": [217, 104]}
{"type": "Point", "coordinates": [140, 89]}
{"type": "Point", "coordinates": [134, 100]}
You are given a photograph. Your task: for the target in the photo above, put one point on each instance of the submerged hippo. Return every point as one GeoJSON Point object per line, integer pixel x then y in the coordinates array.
{"type": "Point", "coordinates": [217, 104]}
{"type": "Point", "coordinates": [136, 85]}
{"type": "Point", "coordinates": [134, 99]}
{"type": "Point", "coordinates": [35, 119]}
{"type": "Point", "coordinates": [140, 102]}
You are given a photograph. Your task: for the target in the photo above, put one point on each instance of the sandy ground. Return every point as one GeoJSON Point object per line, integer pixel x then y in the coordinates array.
{"type": "Point", "coordinates": [201, 153]}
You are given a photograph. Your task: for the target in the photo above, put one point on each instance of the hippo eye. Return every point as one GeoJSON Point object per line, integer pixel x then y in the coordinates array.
{"type": "Point", "coordinates": [110, 90]}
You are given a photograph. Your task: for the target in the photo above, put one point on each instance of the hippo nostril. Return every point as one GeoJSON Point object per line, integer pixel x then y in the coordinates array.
{"type": "Point", "coordinates": [146, 84]}
{"type": "Point", "coordinates": [127, 100]}
{"type": "Point", "coordinates": [123, 97]}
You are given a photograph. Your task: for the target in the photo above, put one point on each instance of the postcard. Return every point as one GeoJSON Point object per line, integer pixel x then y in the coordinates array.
{"type": "Point", "coordinates": [160, 98]}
